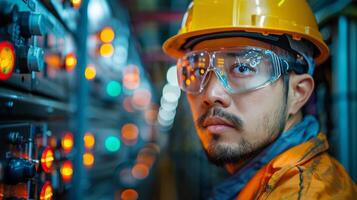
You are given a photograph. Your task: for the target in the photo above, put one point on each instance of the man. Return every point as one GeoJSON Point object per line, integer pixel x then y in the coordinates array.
{"type": "Point", "coordinates": [246, 67]}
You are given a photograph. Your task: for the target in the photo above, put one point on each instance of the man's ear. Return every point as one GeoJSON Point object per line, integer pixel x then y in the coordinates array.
{"type": "Point", "coordinates": [300, 90]}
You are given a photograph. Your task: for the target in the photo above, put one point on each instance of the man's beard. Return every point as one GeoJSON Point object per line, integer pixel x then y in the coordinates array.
{"type": "Point", "coordinates": [220, 153]}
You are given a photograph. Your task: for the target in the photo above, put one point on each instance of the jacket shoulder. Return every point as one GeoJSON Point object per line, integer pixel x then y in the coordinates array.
{"type": "Point", "coordinates": [321, 177]}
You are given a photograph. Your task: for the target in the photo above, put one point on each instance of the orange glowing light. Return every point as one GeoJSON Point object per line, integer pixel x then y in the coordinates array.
{"type": "Point", "coordinates": [107, 34]}
{"type": "Point", "coordinates": [47, 158]}
{"type": "Point", "coordinates": [90, 72]}
{"type": "Point", "coordinates": [129, 133]}
{"type": "Point", "coordinates": [140, 171]}
{"type": "Point", "coordinates": [53, 60]}
{"type": "Point", "coordinates": [70, 62]}
{"type": "Point", "coordinates": [67, 142]}
{"type": "Point", "coordinates": [88, 159]}
{"type": "Point", "coordinates": [67, 171]}
{"type": "Point", "coordinates": [89, 140]}
{"type": "Point", "coordinates": [106, 50]}
{"type": "Point", "coordinates": [76, 3]}
{"type": "Point", "coordinates": [142, 98]}
{"type": "Point", "coordinates": [7, 60]}
{"type": "Point", "coordinates": [129, 194]}
{"type": "Point", "coordinates": [131, 77]}
{"type": "Point", "coordinates": [188, 82]}
{"type": "Point", "coordinates": [46, 191]}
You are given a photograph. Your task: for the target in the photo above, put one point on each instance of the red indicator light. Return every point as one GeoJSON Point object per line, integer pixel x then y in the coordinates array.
{"type": "Point", "coordinates": [7, 60]}
{"type": "Point", "coordinates": [46, 191]}
{"type": "Point", "coordinates": [67, 171]}
{"type": "Point", "coordinates": [67, 142]}
{"type": "Point", "coordinates": [47, 158]}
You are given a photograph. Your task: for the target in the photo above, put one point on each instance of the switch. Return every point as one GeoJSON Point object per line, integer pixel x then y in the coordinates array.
{"type": "Point", "coordinates": [19, 170]}
{"type": "Point", "coordinates": [30, 59]}
{"type": "Point", "coordinates": [33, 24]}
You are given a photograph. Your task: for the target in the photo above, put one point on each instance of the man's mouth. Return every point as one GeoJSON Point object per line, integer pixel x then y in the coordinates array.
{"type": "Point", "coordinates": [217, 124]}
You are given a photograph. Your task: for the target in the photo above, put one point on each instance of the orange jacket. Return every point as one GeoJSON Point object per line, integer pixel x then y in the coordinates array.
{"type": "Point", "coordinates": [305, 171]}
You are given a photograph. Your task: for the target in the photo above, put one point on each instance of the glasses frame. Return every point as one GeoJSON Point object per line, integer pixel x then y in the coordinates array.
{"type": "Point", "coordinates": [280, 66]}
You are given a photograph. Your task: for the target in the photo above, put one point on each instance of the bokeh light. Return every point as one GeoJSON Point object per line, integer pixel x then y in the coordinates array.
{"type": "Point", "coordinates": [112, 144]}
{"type": "Point", "coordinates": [89, 140]}
{"type": "Point", "coordinates": [171, 76]}
{"type": "Point", "coordinates": [129, 133]}
{"type": "Point", "coordinates": [131, 77]}
{"type": "Point", "coordinates": [106, 50]}
{"type": "Point", "coordinates": [113, 88]}
{"type": "Point", "coordinates": [67, 142]}
{"type": "Point", "coordinates": [141, 98]}
{"type": "Point", "coordinates": [67, 170]}
{"type": "Point", "coordinates": [46, 191]}
{"type": "Point", "coordinates": [88, 159]}
{"type": "Point", "coordinates": [140, 171]}
{"type": "Point", "coordinates": [90, 72]}
{"type": "Point", "coordinates": [107, 34]}
{"type": "Point", "coordinates": [76, 3]}
{"type": "Point", "coordinates": [70, 62]}
{"type": "Point", "coordinates": [129, 194]}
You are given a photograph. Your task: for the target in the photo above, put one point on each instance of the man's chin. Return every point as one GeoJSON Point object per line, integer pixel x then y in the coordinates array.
{"type": "Point", "coordinates": [223, 153]}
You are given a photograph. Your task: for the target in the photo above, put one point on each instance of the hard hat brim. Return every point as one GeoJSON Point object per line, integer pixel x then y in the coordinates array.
{"type": "Point", "coordinates": [173, 46]}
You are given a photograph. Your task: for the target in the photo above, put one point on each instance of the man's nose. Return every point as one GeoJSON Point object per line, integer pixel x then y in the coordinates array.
{"type": "Point", "coordinates": [215, 93]}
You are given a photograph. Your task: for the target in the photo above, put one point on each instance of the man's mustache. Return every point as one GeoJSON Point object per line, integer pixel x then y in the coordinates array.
{"type": "Point", "coordinates": [218, 112]}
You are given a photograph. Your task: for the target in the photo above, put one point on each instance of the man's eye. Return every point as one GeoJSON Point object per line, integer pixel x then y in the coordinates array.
{"type": "Point", "coordinates": [242, 69]}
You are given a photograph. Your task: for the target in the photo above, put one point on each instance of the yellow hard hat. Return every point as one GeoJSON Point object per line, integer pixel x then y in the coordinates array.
{"type": "Point", "coordinates": [264, 17]}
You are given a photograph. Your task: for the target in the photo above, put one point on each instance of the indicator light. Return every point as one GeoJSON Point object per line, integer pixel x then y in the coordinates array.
{"type": "Point", "coordinates": [107, 34]}
{"type": "Point", "coordinates": [90, 72]}
{"type": "Point", "coordinates": [113, 88]}
{"type": "Point", "coordinates": [67, 142]}
{"type": "Point", "coordinates": [112, 144]}
{"type": "Point", "coordinates": [129, 133]}
{"type": "Point", "coordinates": [129, 194]}
{"type": "Point", "coordinates": [76, 4]}
{"type": "Point", "coordinates": [88, 159]}
{"type": "Point", "coordinates": [89, 140]}
{"type": "Point", "coordinates": [140, 171]}
{"type": "Point", "coordinates": [70, 61]}
{"type": "Point", "coordinates": [47, 158]}
{"type": "Point", "coordinates": [106, 50]}
{"type": "Point", "coordinates": [67, 171]}
{"type": "Point", "coordinates": [7, 60]}
{"type": "Point", "coordinates": [46, 191]}
{"type": "Point", "coordinates": [131, 77]}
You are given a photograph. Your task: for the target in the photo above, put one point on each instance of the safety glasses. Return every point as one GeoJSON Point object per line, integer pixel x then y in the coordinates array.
{"type": "Point", "coordinates": [238, 69]}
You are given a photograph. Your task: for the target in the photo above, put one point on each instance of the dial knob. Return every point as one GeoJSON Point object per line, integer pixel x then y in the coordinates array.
{"type": "Point", "coordinates": [30, 59]}
{"type": "Point", "coordinates": [32, 24]}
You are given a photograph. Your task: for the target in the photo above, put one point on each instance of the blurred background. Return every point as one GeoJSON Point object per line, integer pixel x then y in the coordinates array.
{"type": "Point", "coordinates": [90, 108]}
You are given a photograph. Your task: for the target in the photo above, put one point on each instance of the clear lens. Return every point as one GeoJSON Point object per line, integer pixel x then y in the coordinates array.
{"type": "Point", "coordinates": [192, 70]}
{"type": "Point", "coordinates": [239, 69]}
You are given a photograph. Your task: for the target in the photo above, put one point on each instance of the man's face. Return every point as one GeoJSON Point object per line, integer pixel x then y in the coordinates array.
{"type": "Point", "coordinates": [232, 127]}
